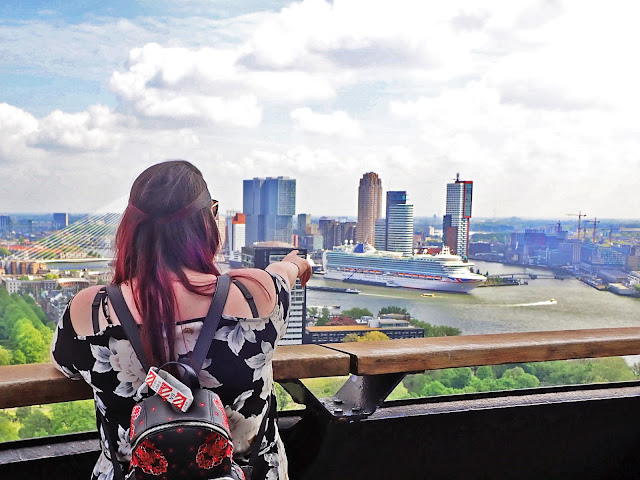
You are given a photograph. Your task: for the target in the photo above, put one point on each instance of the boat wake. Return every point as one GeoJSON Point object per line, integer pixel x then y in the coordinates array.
{"type": "Point", "coordinates": [553, 301]}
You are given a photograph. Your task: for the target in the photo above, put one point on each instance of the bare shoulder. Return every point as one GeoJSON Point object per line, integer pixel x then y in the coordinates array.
{"type": "Point", "coordinates": [261, 286]}
{"type": "Point", "coordinates": [80, 310]}
{"type": "Point", "coordinates": [252, 274]}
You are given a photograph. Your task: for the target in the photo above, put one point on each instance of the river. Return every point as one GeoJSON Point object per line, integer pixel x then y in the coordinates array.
{"type": "Point", "coordinates": [522, 308]}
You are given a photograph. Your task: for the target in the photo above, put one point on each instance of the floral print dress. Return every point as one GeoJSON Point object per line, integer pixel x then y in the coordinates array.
{"type": "Point", "coordinates": [238, 368]}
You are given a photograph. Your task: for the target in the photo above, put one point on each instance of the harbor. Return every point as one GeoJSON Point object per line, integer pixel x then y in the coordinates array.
{"type": "Point", "coordinates": [544, 304]}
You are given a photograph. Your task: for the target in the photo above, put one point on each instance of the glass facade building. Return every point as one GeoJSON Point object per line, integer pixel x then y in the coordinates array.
{"type": "Point", "coordinates": [455, 226]}
{"type": "Point", "coordinates": [269, 205]}
{"type": "Point", "coordinates": [399, 223]}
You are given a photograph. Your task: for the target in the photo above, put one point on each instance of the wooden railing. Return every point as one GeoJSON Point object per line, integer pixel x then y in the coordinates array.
{"type": "Point", "coordinates": [22, 385]}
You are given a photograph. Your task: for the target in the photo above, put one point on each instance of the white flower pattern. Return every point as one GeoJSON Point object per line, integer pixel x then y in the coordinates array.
{"type": "Point", "coordinates": [239, 333]}
{"type": "Point", "coordinates": [103, 469]}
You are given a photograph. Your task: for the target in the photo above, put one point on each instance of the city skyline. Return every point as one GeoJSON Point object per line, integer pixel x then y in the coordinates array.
{"type": "Point", "coordinates": [519, 96]}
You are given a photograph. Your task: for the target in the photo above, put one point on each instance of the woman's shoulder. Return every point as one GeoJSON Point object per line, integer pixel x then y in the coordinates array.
{"type": "Point", "coordinates": [80, 310]}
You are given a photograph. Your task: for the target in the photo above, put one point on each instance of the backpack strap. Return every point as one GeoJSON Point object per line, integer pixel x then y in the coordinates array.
{"type": "Point", "coordinates": [95, 305]}
{"type": "Point", "coordinates": [211, 321]}
{"type": "Point", "coordinates": [128, 323]}
{"type": "Point", "coordinates": [247, 296]}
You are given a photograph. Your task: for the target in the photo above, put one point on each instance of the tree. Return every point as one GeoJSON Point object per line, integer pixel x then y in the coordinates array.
{"type": "Point", "coordinates": [356, 313]}
{"type": "Point", "coordinates": [521, 378]}
{"type": "Point", "coordinates": [36, 424]}
{"type": "Point", "coordinates": [485, 372]}
{"type": "Point", "coordinates": [50, 276]}
{"type": "Point", "coordinates": [415, 383]}
{"type": "Point", "coordinates": [436, 330]}
{"type": "Point", "coordinates": [284, 400]}
{"type": "Point", "coordinates": [71, 417]}
{"type": "Point", "coordinates": [8, 428]}
{"type": "Point", "coordinates": [324, 318]}
{"type": "Point", "coordinates": [611, 369]}
{"type": "Point", "coordinates": [312, 311]}
{"type": "Point", "coordinates": [5, 356]}
{"type": "Point", "coordinates": [436, 388]}
{"type": "Point", "coordinates": [373, 336]}
{"type": "Point", "coordinates": [351, 337]}
{"type": "Point", "coordinates": [18, 358]}
{"type": "Point", "coordinates": [393, 309]}
{"type": "Point", "coordinates": [30, 341]}
{"type": "Point", "coordinates": [456, 377]}
{"type": "Point", "coordinates": [4, 252]}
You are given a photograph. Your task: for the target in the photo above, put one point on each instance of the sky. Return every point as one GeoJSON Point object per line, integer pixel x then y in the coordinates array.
{"type": "Point", "coordinates": [535, 101]}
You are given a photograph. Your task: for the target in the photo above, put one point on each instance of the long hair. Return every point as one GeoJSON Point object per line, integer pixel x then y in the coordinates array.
{"type": "Point", "coordinates": [168, 226]}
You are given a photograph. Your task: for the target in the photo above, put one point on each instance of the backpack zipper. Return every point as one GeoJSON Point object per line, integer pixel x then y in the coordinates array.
{"type": "Point", "coordinates": [187, 423]}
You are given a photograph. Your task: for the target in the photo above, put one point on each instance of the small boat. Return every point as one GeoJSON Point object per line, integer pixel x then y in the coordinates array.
{"type": "Point", "coordinates": [335, 306]}
{"type": "Point", "coordinates": [428, 295]}
{"type": "Point", "coordinates": [352, 290]}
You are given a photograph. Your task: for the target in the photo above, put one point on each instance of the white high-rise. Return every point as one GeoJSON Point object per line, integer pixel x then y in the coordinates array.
{"type": "Point", "coordinates": [399, 223]}
{"type": "Point", "coordinates": [455, 227]}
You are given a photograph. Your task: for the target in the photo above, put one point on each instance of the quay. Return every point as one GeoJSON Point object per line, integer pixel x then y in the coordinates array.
{"type": "Point", "coordinates": [332, 289]}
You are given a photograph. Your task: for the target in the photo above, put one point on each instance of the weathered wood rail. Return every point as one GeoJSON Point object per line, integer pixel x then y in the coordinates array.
{"type": "Point", "coordinates": [22, 385]}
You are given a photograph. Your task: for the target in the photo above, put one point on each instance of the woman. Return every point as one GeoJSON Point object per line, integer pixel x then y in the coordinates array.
{"type": "Point", "coordinates": [164, 262]}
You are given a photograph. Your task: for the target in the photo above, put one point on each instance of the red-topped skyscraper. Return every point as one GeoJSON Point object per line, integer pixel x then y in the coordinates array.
{"type": "Point", "coordinates": [369, 207]}
{"type": "Point", "coordinates": [455, 227]}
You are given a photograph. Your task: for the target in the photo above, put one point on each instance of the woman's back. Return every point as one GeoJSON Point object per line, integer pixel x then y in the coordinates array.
{"type": "Point", "coordinates": [237, 367]}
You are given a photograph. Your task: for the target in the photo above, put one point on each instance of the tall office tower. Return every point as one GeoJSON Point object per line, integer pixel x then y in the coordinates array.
{"type": "Point", "coordinates": [304, 224]}
{"type": "Point", "coordinates": [236, 231]}
{"type": "Point", "coordinates": [261, 255]}
{"type": "Point", "coordinates": [455, 225]}
{"type": "Point", "coordinates": [327, 227]}
{"type": "Point", "coordinates": [60, 220]}
{"type": "Point", "coordinates": [399, 223]}
{"type": "Point", "coordinates": [369, 207]}
{"type": "Point", "coordinates": [269, 205]}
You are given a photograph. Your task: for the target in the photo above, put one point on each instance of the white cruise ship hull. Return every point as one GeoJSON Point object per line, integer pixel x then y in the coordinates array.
{"type": "Point", "coordinates": [442, 284]}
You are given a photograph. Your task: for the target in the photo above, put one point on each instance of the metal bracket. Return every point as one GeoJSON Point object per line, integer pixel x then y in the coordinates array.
{"type": "Point", "coordinates": [358, 398]}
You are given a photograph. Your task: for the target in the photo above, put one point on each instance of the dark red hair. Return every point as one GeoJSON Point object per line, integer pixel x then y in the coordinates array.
{"type": "Point", "coordinates": [167, 227]}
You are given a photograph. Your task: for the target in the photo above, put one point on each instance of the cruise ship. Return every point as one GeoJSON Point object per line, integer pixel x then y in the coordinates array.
{"type": "Point", "coordinates": [364, 264]}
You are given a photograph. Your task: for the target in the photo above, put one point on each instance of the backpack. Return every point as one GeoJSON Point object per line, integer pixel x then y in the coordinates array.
{"type": "Point", "coordinates": [180, 430]}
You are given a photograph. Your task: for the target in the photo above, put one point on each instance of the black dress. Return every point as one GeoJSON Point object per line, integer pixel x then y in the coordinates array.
{"type": "Point", "coordinates": [238, 368]}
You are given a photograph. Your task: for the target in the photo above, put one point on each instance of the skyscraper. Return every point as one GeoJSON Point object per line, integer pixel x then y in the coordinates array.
{"type": "Point", "coordinates": [399, 223]}
{"type": "Point", "coordinates": [60, 220]}
{"type": "Point", "coordinates": [369, 207]}
{"type": "Point", "coordinates": [236, 231]}
{"type": "Point", "coordinates": [261, 255]}
{"type": "Point", "coordinates": [269, 205]}
{"type": "Point", "coordinates": [455, 225]}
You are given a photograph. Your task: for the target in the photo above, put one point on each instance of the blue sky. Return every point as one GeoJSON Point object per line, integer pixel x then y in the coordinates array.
{"type": "Point", "coordinates": [520, 97]}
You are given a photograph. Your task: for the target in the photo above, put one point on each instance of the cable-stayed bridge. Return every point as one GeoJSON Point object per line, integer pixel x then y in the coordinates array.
{"type": "Point", "coordinates": [90, 238]}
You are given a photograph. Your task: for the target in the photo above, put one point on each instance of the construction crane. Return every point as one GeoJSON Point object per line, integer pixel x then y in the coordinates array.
{"type": "Point", "coordinates": [579, 215]}
{"type": "Point", "coordinates": [595, 223]}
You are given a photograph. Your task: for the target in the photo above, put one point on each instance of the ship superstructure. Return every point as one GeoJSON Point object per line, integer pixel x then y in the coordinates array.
{"type": "Point", "coordinates": [364, 264]}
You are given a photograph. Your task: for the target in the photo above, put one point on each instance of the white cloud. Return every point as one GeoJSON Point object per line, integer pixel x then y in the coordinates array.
{"type": "Point", "coordinates": [15, 122]}
{"type": "Point", "coordinates": [337, 123]}
{"type": "Point", "coordinates": [92, 130]}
